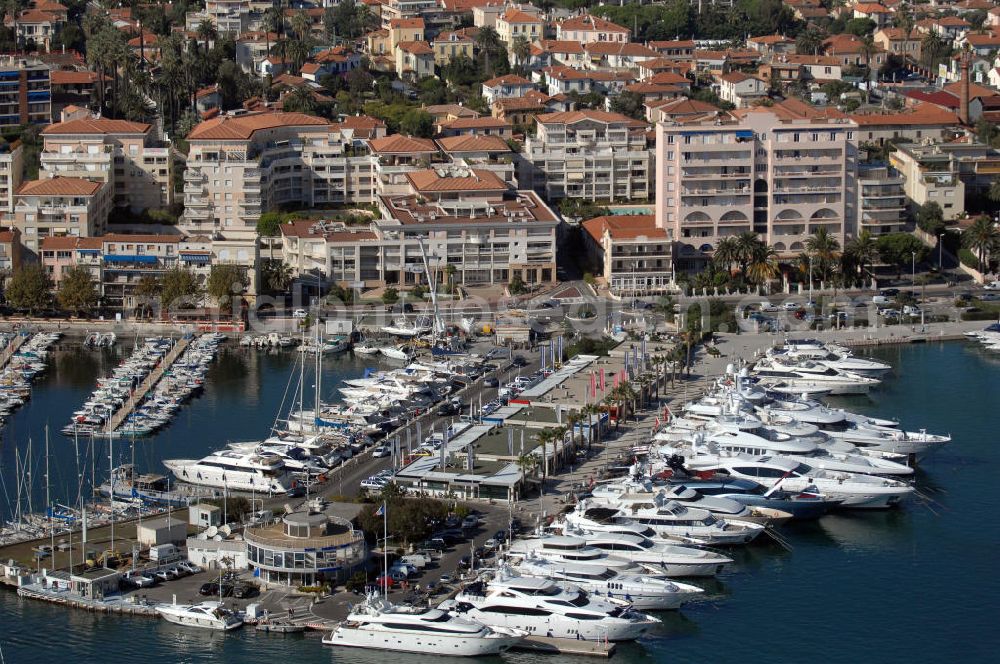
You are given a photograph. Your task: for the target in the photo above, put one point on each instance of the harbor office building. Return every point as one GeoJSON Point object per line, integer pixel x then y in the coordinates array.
{"type": "Point", "coordinates": [305, 549]}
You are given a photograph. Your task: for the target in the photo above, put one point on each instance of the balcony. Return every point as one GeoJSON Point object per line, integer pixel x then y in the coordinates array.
{"type": "Point", "coordinates": [193, 175]}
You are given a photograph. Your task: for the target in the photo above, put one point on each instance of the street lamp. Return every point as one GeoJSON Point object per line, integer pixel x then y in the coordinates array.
{"type": "Point", "coordinates": [811, 281]}
{"type": "Point", "coordinates": [913, 276]}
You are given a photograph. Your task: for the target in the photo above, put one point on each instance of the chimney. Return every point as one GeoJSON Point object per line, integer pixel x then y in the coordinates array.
{"type": "Point", "coordinates": [963, 95]}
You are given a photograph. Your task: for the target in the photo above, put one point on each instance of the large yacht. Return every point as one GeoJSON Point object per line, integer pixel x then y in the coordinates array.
{"type": "Point", "coordinates": [670, 559]}
{"type": "Point", "coordinates": [383, 626]}
{"type": "Point", "coordinates": [543, 607]}
{"type": "Point", "coordinates": [855, 491]}
{"type": "Point", "coordinates": [644, 591]}
{"type": "Point", "coordinates": [207, 615]}
{"type": "Point", "coordinates": [671, 520]}
{"type": "Point", "coordinates": [808, 373]}
{"type": "Point", "coordinates": [234, 470]}
{"type": "Point", "coordinates": [836, 357]}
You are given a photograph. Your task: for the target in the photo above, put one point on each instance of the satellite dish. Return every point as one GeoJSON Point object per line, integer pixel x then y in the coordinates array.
{"type": "Point", "coordinates": [225, 530]}
{"type": "Point", "coordinates": [217, 538]}
{"type": "Point", "coordinates": [211, 531]}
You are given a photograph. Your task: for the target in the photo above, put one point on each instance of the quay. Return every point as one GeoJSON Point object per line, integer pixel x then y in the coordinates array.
{"type": "Point", "coordinates": [149, 383]}
{"type": "Point", "coordinates": [11, 349]}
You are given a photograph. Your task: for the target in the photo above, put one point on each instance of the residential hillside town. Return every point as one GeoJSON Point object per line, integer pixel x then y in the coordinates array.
{"type": "Point", "coordinates": [642, 146]}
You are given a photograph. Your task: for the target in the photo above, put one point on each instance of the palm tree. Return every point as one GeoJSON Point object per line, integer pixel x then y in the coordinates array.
{"type": "Point", "coordinates": [763, 265]}
{"type": "Point", "coordinates": [930, 47]}
{"type": "Point", "coordinates": [746, 244]}
{"type": "Point", "coordinates": [520, 48]}
{"type": "Point", "coordinates": [726, 253]}
{"type": "Point", "coordinates": [982, 238]}
{"type": "Point", "coordinates": [299, 100]}
{"type": "Point", "coordinates": [863, 250]}
{"type": "Point", "coordinates": [824, 249]}
{"type": "Point", "coordinates": [994, 192]}
{"type": "Point", "coordinates": [301, 24]}
{"type": "Point", "coordinates": [206, 32]}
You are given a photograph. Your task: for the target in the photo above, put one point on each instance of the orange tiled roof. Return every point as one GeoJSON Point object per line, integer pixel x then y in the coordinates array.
{"type": "Point", "coordinates": [475, 123]}
{"type": "Point", "coordinates": [479, 179]}
{"type": "Point", "coordinates": [96, 126]}
{"type": "Point", "coordinates": [415, 47]}
{"type": "Point", "coordinates": [571, 117]}
{"type": "Point", "coordinates": [518, 16]}
{"type": "Point", "coordinates": [589, 22]}
{"type": "Point", "coordinates": [507, 79]}
{"type": "Point", "coordinates": [561, 46]}
{"type": "Point", "coordinates": [62, 77]}
{"type": "Point", "coordinates": [473, 144]}
{"type": "Point", "coordinates": [630, 49]}
{"type": "Point", "coordinates": [407, 23]}
{"type": "Point", "coordinates": [59, 243]}
{"type": "Point", "coordinates": [624, 227]}
{"type": "Point", "coordinates": [238, 127]}
{"type": "Point", "coordinates": [399, 144]}
{"type": "Point", "coordinates": [59, 187]}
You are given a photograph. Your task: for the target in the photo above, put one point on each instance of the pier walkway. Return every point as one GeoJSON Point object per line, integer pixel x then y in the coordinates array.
{"type": "Point", "coordinates": [151, 380]}
{"type": "Point", "coordinates": [11, 349]}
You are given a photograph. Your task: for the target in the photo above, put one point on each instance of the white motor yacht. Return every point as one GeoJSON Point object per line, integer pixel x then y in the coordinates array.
{"type": "Point", "coordinates": [673, 521]}
{"type": "Point", "coordinates": [644, 591]}
{"type": "Point", "coordinates": [230, 469]}
{"type": "Point", "coordinates": [856, 491]}
{"type": "Point", "coordinates": [401, 353]}
{"type": "Point", "coordinates": [380, 625]}
{"type": "Point", "coordinates": [811, 374]}
{"type": "Point", "coordinates": [668, 558]}
{"type": "Point", "coordinates": [835, 357]}
{"type": "Point", "coordinates": [543, 607]}
{"type": "Point", "coordinates": [207, 615]}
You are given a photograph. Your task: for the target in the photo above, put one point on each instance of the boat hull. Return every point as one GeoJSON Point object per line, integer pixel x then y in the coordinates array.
{"type": "Point", "coordinates": [427, 644]}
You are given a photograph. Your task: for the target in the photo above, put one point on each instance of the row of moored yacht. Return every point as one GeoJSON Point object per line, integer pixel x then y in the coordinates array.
{"type": "Point", "coordinates": [25, 364]}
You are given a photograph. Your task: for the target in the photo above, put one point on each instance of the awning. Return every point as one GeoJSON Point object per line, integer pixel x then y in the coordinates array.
{"type": "Point", "coordinates": [120, 258]}
{"type": "Point", "coordinates": [196, 258]}
{"type": "Point", "coordinates": [89, 251]}
{"type": "Point", "coordinates": [744, 133]}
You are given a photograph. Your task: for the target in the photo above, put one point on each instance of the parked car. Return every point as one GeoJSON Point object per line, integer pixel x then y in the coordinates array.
{"type": "Point", "coordinates": [142, 580]}
{"type": "Point", "coordinates": [519, 361]}
{"type": "Point", "coordinates": [470, 522]}
{"type": "Point", "coordinates": [491, 381]}
{"type": "Point", "coordinates": [208, 589]}
{"type": "Point", "coordinates": [767, 306]}
{"type": "Point", "coordinates": [381, 451]}
{"type": "Point", "coordinates": [993, 286]}
{"type": "Point", "coordinates": [299, 313]}
{"type": "Point", "coordinates": [188, 567]}
{"type": "Point", "coordinates": [911, 310]}
{"type": "Point", "coordinates": [163, 575]}
{"type": "Point", "coordinates": [882, 300]}
{"type": "Point", "coordinates": [245, 591]}
{"type": "Point", "coordinates": [446, 578]}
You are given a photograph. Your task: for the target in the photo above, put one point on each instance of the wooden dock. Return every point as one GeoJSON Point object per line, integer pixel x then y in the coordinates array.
{"type": "Point", "coordinates": [905, 339]}
{"type": "Point", "coordinates": [553, 645]}
{"type": "Point", "coordinates": [151, 380]}
{"type": "Point", "coordinates": [11, 349]}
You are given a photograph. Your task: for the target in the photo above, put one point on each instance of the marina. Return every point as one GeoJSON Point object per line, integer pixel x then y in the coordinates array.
{"type": "Point", "coordinates": [727, 594]}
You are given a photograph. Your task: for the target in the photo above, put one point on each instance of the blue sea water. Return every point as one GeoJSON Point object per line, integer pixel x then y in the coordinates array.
{"type": "Point", "coordinates": [917, 584]}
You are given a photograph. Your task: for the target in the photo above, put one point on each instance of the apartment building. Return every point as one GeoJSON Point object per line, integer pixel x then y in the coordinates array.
{"type": "Point", "coordinates": [587, 28]}
{"type": "Point", "coordinates": [780, 175]}
{"type": "Point", "coordinates": [126, 154]}
{"type": "Point", "coordinates": [11, 175]}
{"type": "Point", "coordinates": [25, 91]}
{"type": "Point", "coordinates": [515, 23]}
{"type": "Point", "coordinates": [467, 218]}
{"type": "Point", "coordinates": [881, 206]}
{"type": "Point", "coordinates": [399, 9]}
{"type": "Point", "coordinates": [10, 252]}
{"type": "Point", "coordinates": [592, 155]}
{"type": "Point", "coordinates": [230, 17]}
{"type": "Point", "coordinates": [61, 206]}
{"type": "Point", "coordinates": [633, 254]}
{"type": "Point", "coordinates": [240, 165]}
{"type": "Point", "coordinates": [945, 172]}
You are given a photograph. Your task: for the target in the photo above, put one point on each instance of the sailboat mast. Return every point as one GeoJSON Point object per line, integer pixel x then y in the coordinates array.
{"type": "Point", "coordinates": [319, 373]}
{"type": "Point", "coordinates": [30, 486]}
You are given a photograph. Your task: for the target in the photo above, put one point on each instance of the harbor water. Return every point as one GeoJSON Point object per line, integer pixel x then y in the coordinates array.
{"type": "Point", "coordinates": [915, 584]}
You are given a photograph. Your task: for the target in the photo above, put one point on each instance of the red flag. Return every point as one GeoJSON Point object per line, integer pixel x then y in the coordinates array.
{"type": "Point", "coordinates": [656, 424]}
{"type": "Point", "coordinates": [604, 387]}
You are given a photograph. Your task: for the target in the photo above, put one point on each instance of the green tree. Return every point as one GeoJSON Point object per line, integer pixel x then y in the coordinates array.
{"type": "Point", "coordinates": [810, 41]}
{"type": "Point", "coordinates": [631, 104]}
{"type": "Point", "coordinates": [930, 218]}
{"type": "Point", "coordinates": [520, 48]}
{"type": "Point", "coordinates": [516, 285]}
{"type": "Point", "coordinates": [726, 253]}
{"type": "Point", "coordinates": [29, 289]}
{"type": "Point", "coordinates": [224, 281]}
{"type": "Point", "coordinates": [824, 249]}
{"type": "Point", "coordinates": [763, 265]}
{"type": "Point", "coordinates": [418, 123]}
{"type": "Point", "coordinates": [390, 295]}
{"type": "Point", "coordinates": [994, 192]}
{"type": "Point", "coordinates": [206, 32]}
{"type": "Point", "coordinates": [983, 239]}
{"type": "Point", "coordinates": [898, 249]}
{"type": "Point", "coordinates": [77, 292]}
{"type": "Point", "coordinates": [269, 224]}
{"type": "Point", "coordinates": [275, 275]}
{"type": "Point", "coordinates": [178, 286]}
{"type": "Point", "coordinates": [301, 24]}
{"type": "Point", "coordinates": [300, 100]}
{"type": "Point", "coordinates": [860, 26]}
{"type": "Point", "coordinates": [863, 251]}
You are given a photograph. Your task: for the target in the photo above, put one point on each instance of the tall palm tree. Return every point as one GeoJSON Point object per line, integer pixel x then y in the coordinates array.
{"type": "Point", "coordinates": [982, 238]}
{"type": "Point", "coordinates": [824, 249]}
{"type": "Point", "coordinates": [763, 265]}
{"type": "Point", "coordinates": [206, 32]}
{"type": "Point", "coordinates": [863, 250]}
{"type": "Point", "coordinates": [746, 244]}
{"type": "Point", "coordinates": [520, 48]}
{"type": "Point", "coordinates": [301, 24]}
{"type": "Point", "coordinates": [726, 253]}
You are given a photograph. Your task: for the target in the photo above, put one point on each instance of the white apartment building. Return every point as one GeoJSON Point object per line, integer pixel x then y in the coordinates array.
{"type": "Point", "coordinates": [61, 207]}
{"type": "Point", "coordinates": [11, 176]}
{"type": "Point", "coordinates": [396, 9]}
{"type": "Point", "coordinates": [881, 206]}
{"type": "Point", "coordinates": [779, 176]}
{"type": "Point", "coordinates": [588, 154]}
{"type": "Point", "coordinates": [466, 218]}
{"type": "Point", "coordinates": [125, 154]}
{"type": "Point", "coordinates": [230, 17]}
{"type": "Point", "coordinates": [931, 174]}
{"type": "Point", "coordinates": [241, 165]}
